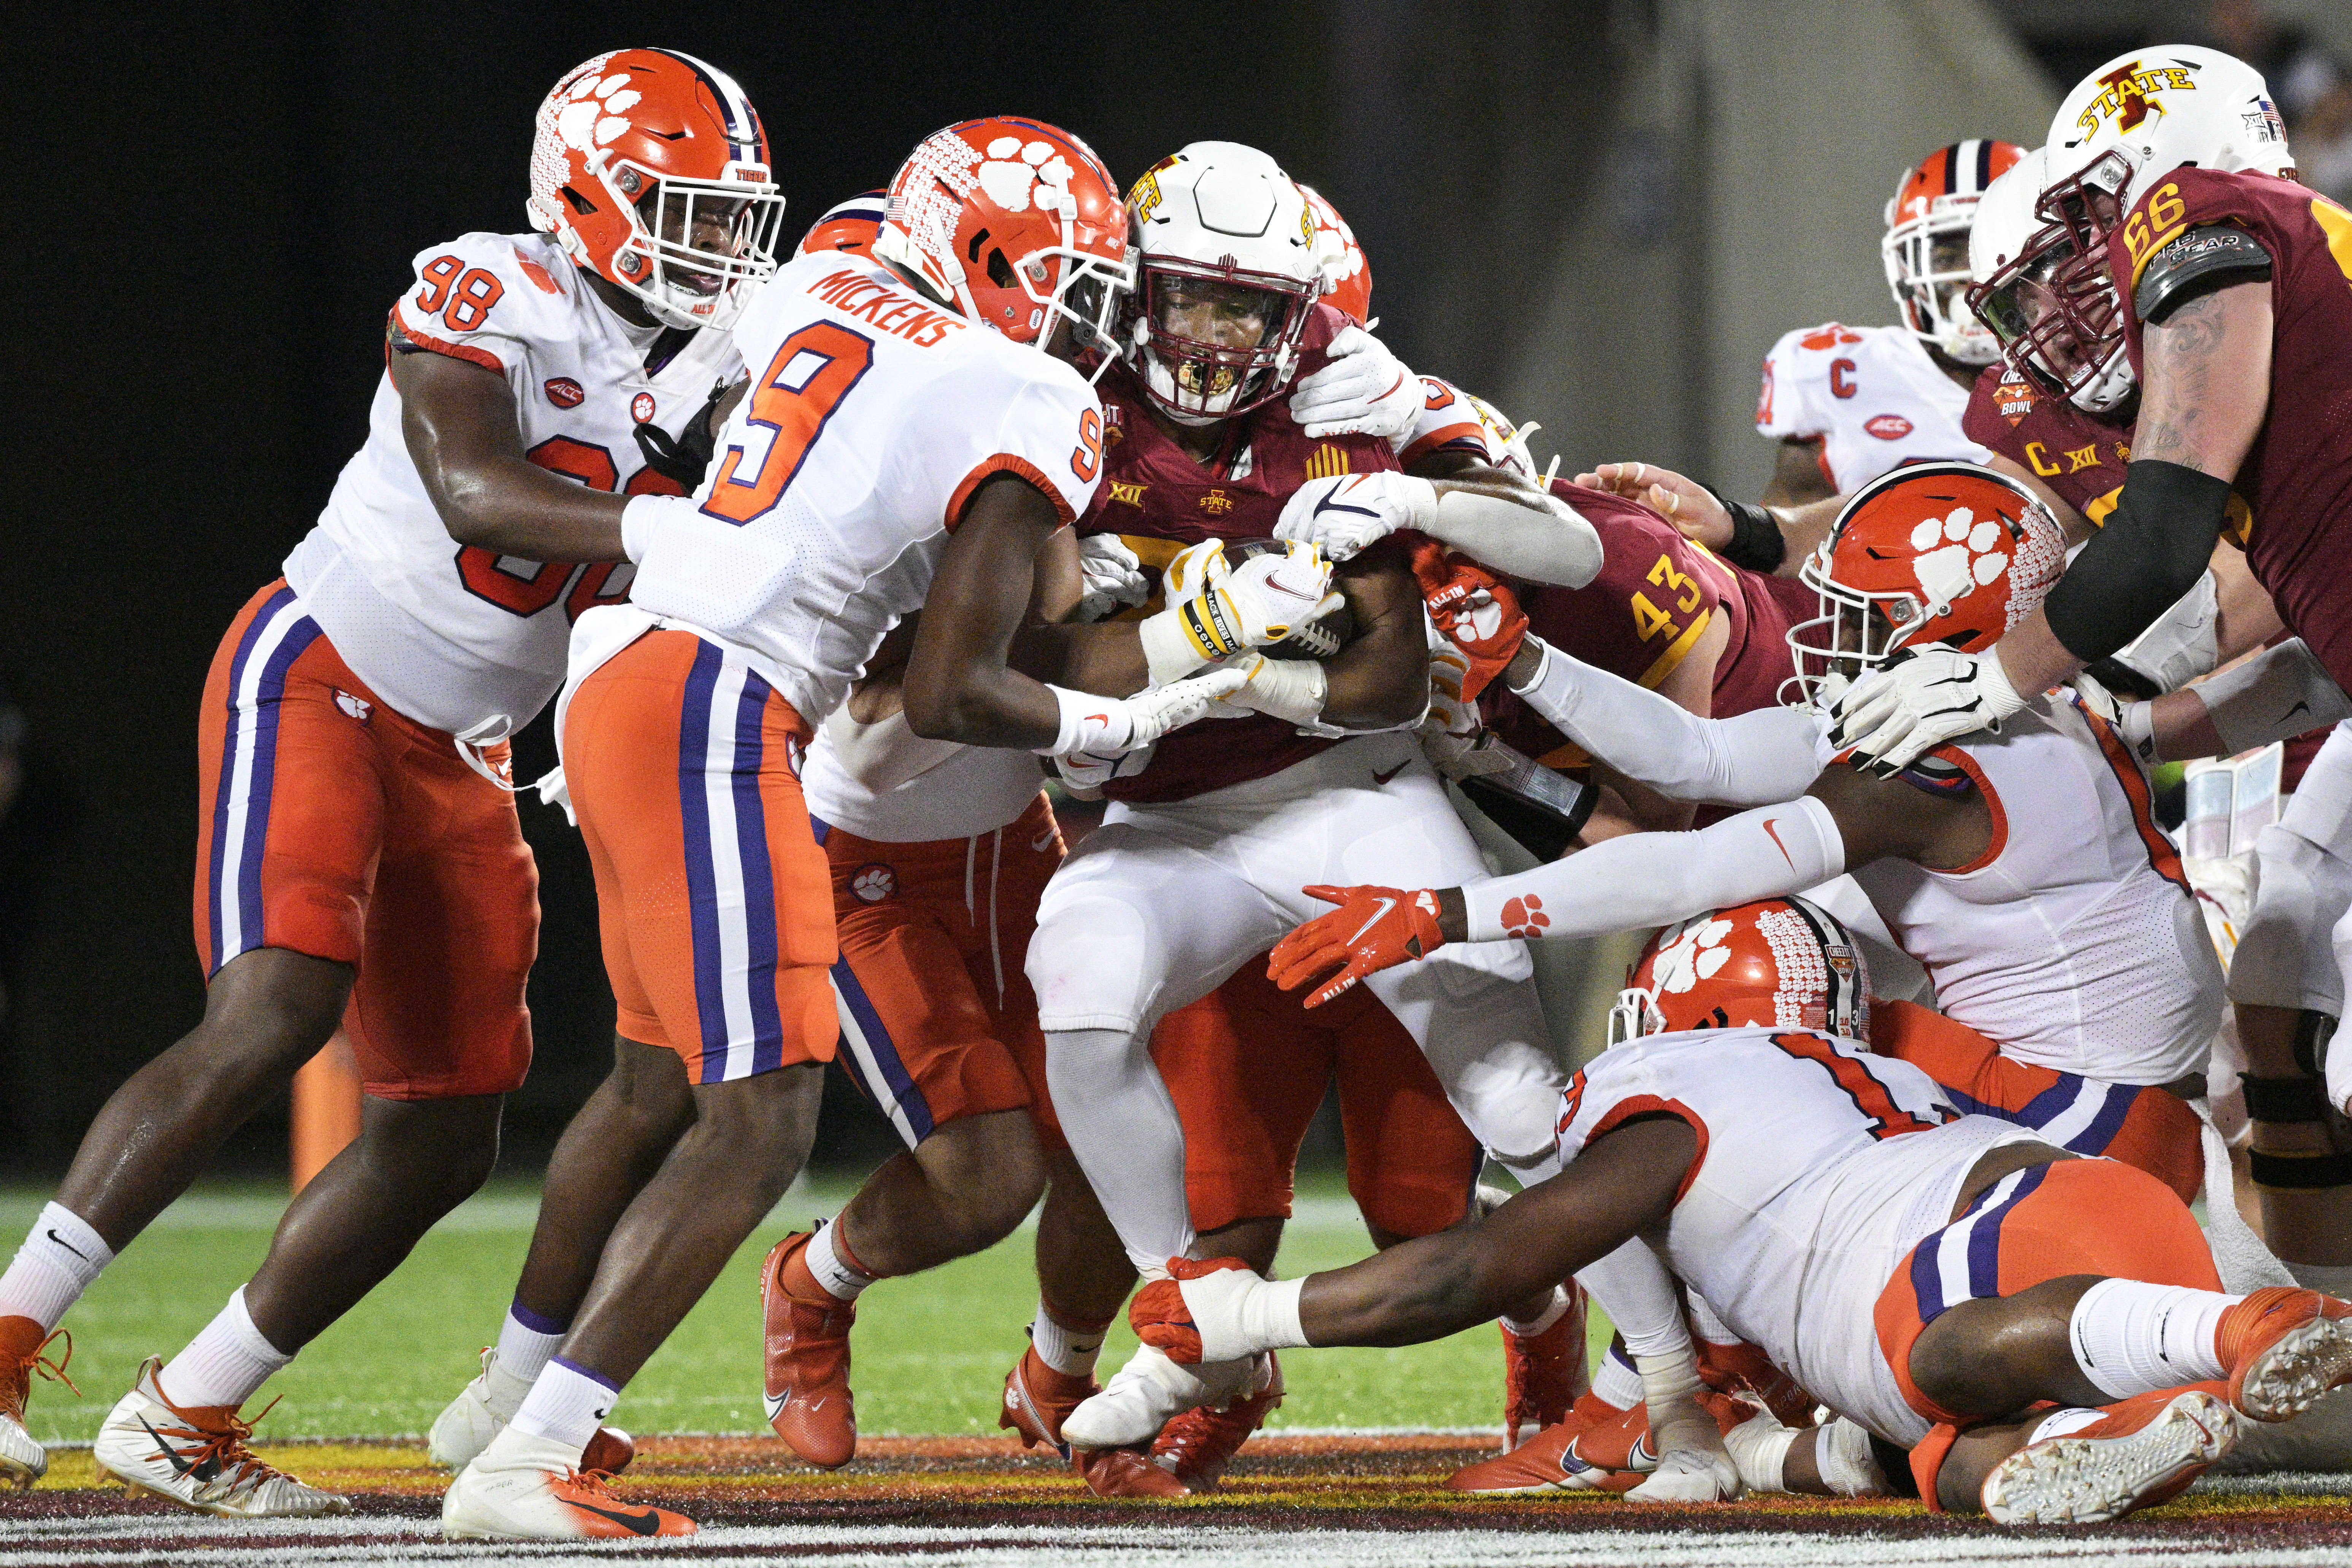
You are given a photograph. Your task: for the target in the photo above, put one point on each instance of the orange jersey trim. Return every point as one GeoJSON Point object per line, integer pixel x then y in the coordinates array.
{"type": "Point", "coordinates": [1625, 1109]}
{"type": "Point", "coordinates": [465, 351]}
{"type": "Point", "coordinates": [1469, 431]}
{"type": "Point", "coordinates": [2162, 858]}
{"type": "Point", "coordinates": [2000, 841]}
{"type": "Point", "coordinates": [1854, 1080]}
{"type": "Point", "coordinates": [1007, 463]}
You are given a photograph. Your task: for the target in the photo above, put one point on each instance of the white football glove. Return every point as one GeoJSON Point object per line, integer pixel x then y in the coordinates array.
{"type": "Point", "coordinates": [1365, 390]}
{"type": "Point", "coordinates": [1112, 575]}
{"type": "Point", "coordinates": [1453, 735]}
{"type": "Point", "coordinates": [1345, 513]}
{"type": "Point", "coordinates": [1291, 689]}
{"type": "Point", "coordinates": [1085, 779]}
{"type": "Point", "coordinates": [1216, 610]}
{"type": "Point", "coordinates": [1102, 729]}
{"type": "Point", "coordinates": [2182, 644]}
{"type": "Point", "coordinates": [1918, 700]}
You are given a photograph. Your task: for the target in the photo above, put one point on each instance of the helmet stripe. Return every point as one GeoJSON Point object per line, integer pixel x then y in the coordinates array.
{"type": "Point", "coordinates": [1984, 162]}
{"type": "Point", "coordinates": [743, 130]}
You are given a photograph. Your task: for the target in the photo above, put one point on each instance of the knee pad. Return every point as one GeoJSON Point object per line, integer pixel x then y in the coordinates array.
{"type": "Point", "coordinates": [2286, 956]}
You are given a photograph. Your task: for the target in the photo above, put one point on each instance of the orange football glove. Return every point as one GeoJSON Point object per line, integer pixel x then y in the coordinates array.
{"type": "Point", "coordinates": [1160, 1316]}
{"type": "Point", "coordinates": [1374, 929]}
{"type": "Point", "coordinates": [1475, 609]}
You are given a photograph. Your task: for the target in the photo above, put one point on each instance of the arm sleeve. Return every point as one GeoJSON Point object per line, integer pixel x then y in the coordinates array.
{"type": "Point", "coordinates": [1655, 878]}
{"type": "Point", "coordinates": [2156, 546]}
{"type": "Point", "coordinates": [2274, 697]}
{"type": "Point", "coordinates": [1635, 1289]}
{"type": "Point", "coordinates": [1761, 758]}
{"type": "Point", "coordinates": [1546, 541]}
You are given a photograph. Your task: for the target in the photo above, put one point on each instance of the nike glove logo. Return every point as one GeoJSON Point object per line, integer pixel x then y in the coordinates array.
{"type": "Point", "coordinates": [646, 1523]}
{"type": "Point", "coordinates": [1378, 916]}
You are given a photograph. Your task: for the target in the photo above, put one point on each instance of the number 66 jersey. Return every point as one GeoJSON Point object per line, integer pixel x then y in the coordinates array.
{"type": "Point", "coordinates": [460, 638]}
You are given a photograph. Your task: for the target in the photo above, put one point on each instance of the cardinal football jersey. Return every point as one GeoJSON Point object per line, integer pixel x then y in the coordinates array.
{"type": "Point", "coordinates": [2298, 477]}
{"type": "Point", "coordinates": [458, 637]}
{"type": "Point", "coordinates": [1158, 499]}
{"type": "Point", "coordinates": [872, 418]}
{"type": "Point", "coordinates": [1870, 394]}
{"type": "Point", "coordinates": [1819, 1166]}
{"type": "Point", "coordinates": [2074, 941]}
{"type": "Point", "coordinates": [2079, 456]}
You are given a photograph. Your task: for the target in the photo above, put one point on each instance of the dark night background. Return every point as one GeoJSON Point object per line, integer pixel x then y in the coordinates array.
{"type": "Point", "coordinates": [218, 208]}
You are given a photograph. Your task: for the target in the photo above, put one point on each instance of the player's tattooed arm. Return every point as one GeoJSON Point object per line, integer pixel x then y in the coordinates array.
{"type": "Point", "coordinates": [1889, 819]}
{"type": "Point", "coordinates": [1382, 678]}
{"type": "Point", "coordinates": [2207, 378]}
{"type": "Point", "coordinates": [459, 421]}
{"type": "Point", "coordinates": [1622, 1184]}
{"type": "Point", "coordinates": [1797, 476]}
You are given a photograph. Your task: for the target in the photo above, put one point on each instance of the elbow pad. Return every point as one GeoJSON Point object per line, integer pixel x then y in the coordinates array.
{"type": "Point", "coordinates": [2152, 551]}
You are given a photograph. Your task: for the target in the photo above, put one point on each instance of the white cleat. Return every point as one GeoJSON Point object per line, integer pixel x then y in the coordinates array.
{"type": "Point", "coordinates": [531, 1489]}
{"type": "Point", "coordinates": [21, 1460]}
{"type": "Point", "coordinates": [483, 1407]}
{"type": "Point", "coordinates": [197, 1459]}
{"type": "Point", "coordinates": [1684, 1475]}
{"type": "Point", "coordinates": [1147, 1392]}
{"type": "Point", "coordinates": [2103, 1473]}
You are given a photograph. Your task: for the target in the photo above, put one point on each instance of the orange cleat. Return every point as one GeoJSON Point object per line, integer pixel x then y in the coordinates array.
{"type": "Point", "coordinates": [2285, 1348]}
{"type": "Point", "coordinates": [1196, 1447]}
{"type": "Point", "coordinates": [525, 1488]}
{"type": "Point", "coordinates": [22, 1341]}
{"type": "Point", "coordinates": [807, 1334]}
{"type": "Point", "coordinates": [1555, 1459]}
{"type": "Point", "coordinates": [1036, 1400]}
{"type": "Point", "coordinates": [2148, 1449]}
{"type": "Point", "coordinates": [1544, 1374]}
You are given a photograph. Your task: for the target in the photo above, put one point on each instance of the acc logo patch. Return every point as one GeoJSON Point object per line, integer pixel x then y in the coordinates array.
{"type": "Point", "coordinates": [874, 883]}
{"type": "Point", "coordinates": [565, 392]}
{"type": "Point", "coordinates": [641, 408]}
{"type": "Point", "coordinates": [1889, 426]}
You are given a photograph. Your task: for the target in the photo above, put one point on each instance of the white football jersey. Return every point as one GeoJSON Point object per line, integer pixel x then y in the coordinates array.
{"type": "Point", "coordinates": [1871, 394]}
{"type": "Point", "coordinates": [872, 418]}
{"type": "Point", "coordinates": [1820, 1165]}
{"type": "Point", "coordinates": [2074, 941]}
{"type": "Point", "coordinates": [1450, 417]}
{"type": "Point", "coordinates": [953, 792]}
{"type": "Point", "coordinates": [457, 637]}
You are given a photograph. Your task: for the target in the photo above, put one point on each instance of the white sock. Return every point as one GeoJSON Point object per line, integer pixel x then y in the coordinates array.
{"type": "Point", "coordinates": [60, 1257]}
{"type": "Point", "coordinates": [566, 1405]}
{"type": "Point", "coordinates": [1614, 1380]}
{"type": "Point", "coordinates": [1529, 1328]}
{"type": "Point", "coordinates": [2130, 1337]}
{"type": "Point", "coordinates": [223, 1363]}
{"type": "Point", "coordinates": [525, 1341]}
{"type": "Point", "coordinates": [1070, 1352]}
{"type": "Point", "coordinates": [841, 1279]}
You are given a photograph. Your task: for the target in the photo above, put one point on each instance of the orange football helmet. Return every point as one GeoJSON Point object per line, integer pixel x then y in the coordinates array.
{"type": "Point", "coordinates": [1018, 224]}
{"type": "Point", "coordinates": [1347, 275]}
{"type": "Point", "coordinates": [1927, 246]}
{"type": "Point", "coordinates": [849, 225]}
{"type": "Point", "coordinates": [650, 168]}
{"type": "Point", "coordinates": [1935, 553]}
{"type": "Point", "coordinates": [1784, 964]}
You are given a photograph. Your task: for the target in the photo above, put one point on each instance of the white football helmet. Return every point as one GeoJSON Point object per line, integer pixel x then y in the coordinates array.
{"type": "Point", "coordinates": [1229, 271]}
{"type": "Point", "coordinates": [2054, 303]}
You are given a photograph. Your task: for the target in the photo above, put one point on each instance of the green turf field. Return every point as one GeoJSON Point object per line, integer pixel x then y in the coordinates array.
{"type": "Point", "coordinates": [931, 1352]}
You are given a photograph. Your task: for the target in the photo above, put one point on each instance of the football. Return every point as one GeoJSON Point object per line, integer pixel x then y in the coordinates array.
{"type": "Point", "coordinates": [1320, 639]}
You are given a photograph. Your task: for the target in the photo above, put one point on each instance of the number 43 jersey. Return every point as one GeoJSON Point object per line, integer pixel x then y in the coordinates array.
{"type": "Point", "coordinates": [873, 416]}
{"type": "Point", "coordinates": [457, 637]}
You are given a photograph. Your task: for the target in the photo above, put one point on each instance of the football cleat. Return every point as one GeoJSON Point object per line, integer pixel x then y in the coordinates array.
{"type": "Point", "coordinates": [1555, 1459]}
{"type": "Point", "coordinates": [1544, 1374]}
{"type": "Point", "coordinates": [2148, 1448]}
{"type": "Point", "coordinates": [2285, 1348]}
{"type": "Point", "coordinates": [807, 1388]}
{"type": "Point", "coordinates": [1147, 1394]}
{"type": "Point", "coordinates": [197, 1458]}
{"type": "Point", "coordinates": [1038, 1399]}
{"type": "Point", "coordinates": [1196, 1447]}
{"type": "Point", "coordinates": [22, 1341]}
{"type": "Point", "coordinates": [483, 1407]}
{"type": "Point", "coordinates": [530, 1489]}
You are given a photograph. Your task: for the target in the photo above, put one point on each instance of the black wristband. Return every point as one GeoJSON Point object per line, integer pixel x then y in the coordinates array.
{"type": "Point", "coordinates": [1756, 542]}
{"type": "Point", "coordinates": [2155, 547]}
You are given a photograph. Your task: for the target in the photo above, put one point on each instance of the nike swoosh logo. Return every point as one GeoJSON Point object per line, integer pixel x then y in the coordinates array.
{"type": "Point", "coordinates": [775, 1403]}
{"type": "Point", "coordinates": [1383, 778]}
{"type": "Point", "coordinates": [646, 1523]}
{"type": "Point", "coordinates": [1044, 839]}
{"type": "Point", "coordinates": [179, 1465]}
{"type": "Point", "coordinates": [77, 1252]}
{"type": "Point", "coordinates": [1378, 915]}
{"type": "Point", "coordinates": [1777, 844]}
{"type": "Point", "coordinates": [2298, 708]}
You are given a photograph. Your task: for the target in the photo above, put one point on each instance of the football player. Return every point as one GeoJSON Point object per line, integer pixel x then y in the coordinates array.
{"type": "Point", "coordinates": [360, 861]}
{"type": "Point", "coordinates": [1846, 403]}
{"type": "Point", "coordinates": [1938, 1278]}
{"type": "Point", "coordinates": [1188, 879]}
{"type": "Point", "coordinates": [914, 435]}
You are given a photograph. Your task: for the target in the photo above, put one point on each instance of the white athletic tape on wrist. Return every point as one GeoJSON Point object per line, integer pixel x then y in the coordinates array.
{"type": "Point", "coordinates": [1847, 1463]}
{"type": "Point", "coordinates": [1239, 1314]}
{"type": "Point", "coordinates": [1759, 1447]}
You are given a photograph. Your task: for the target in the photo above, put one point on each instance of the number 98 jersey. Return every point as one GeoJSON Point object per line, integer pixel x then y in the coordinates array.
{"type": "Point", "coordinates": [457, 637]}
{"type": "Point", "coordinates": [874, 414]}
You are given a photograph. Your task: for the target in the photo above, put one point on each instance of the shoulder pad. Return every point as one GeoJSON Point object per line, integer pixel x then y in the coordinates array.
{"type": "Point", "coordinates": [2185, 268]}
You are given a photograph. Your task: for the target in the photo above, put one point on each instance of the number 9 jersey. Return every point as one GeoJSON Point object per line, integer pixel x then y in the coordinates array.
{"type": "Point", "coordinates": [874, 414]}
{"type": "Point", "coordinates": [457, 637]}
